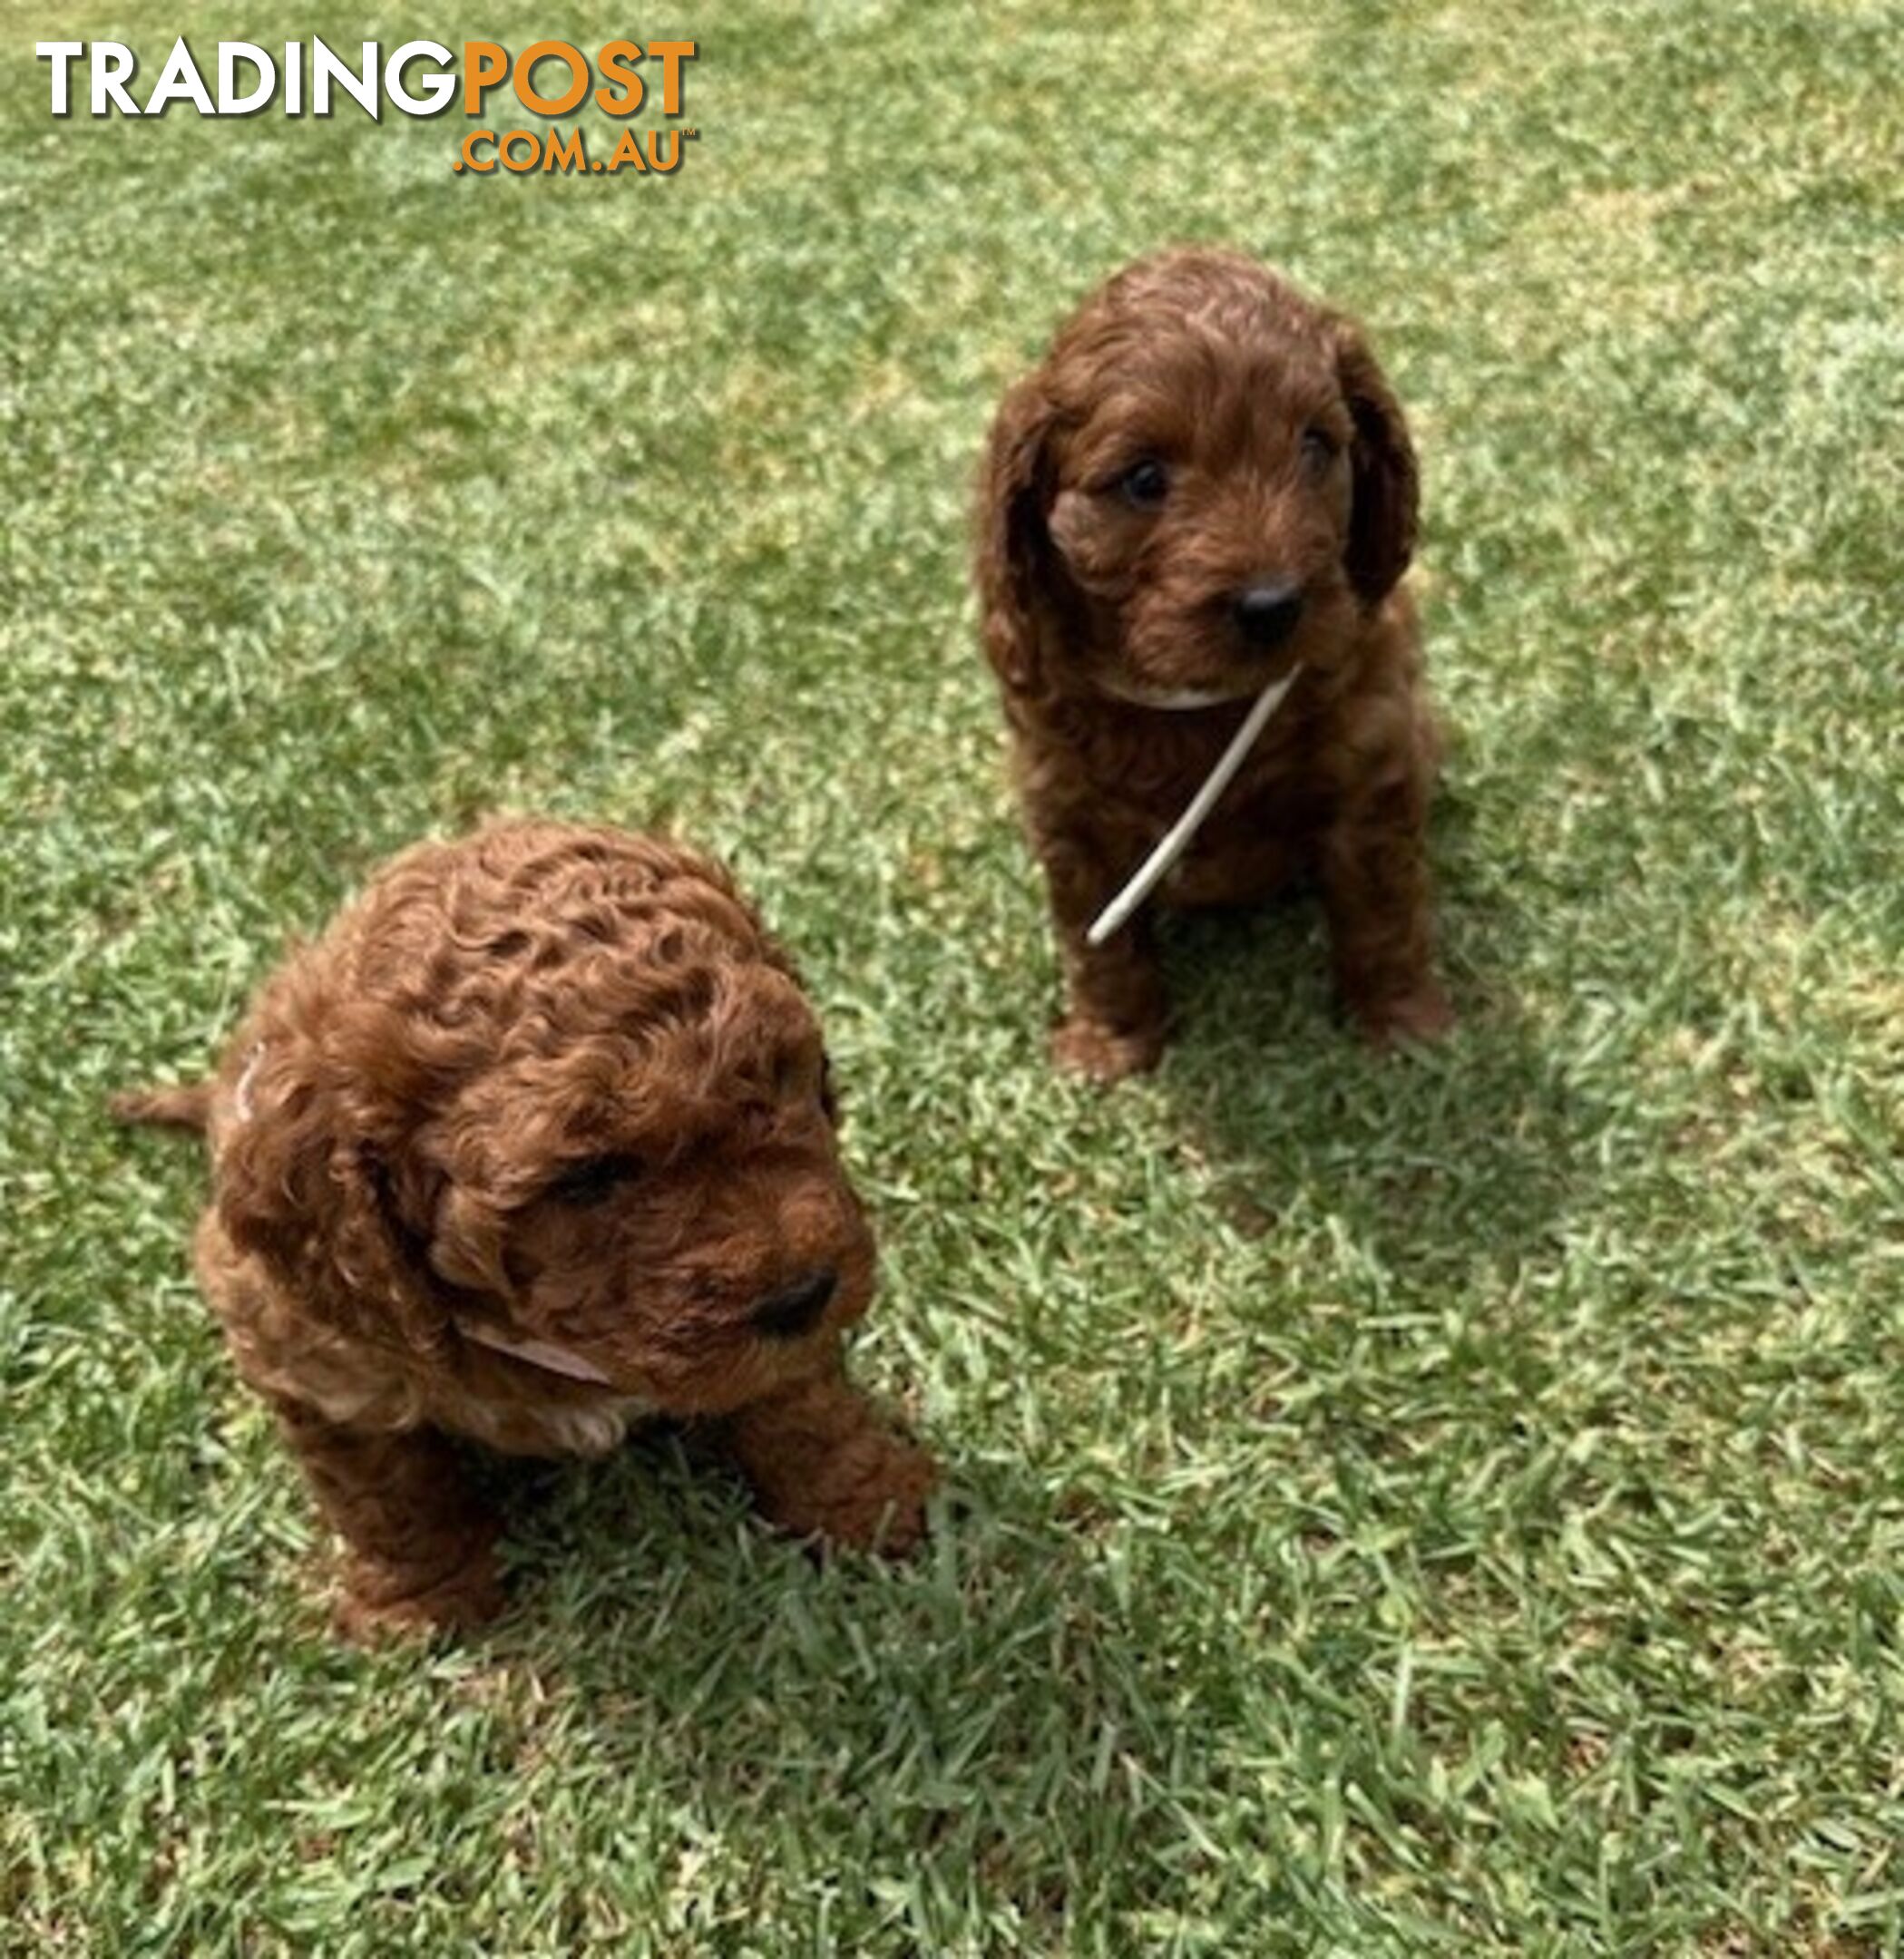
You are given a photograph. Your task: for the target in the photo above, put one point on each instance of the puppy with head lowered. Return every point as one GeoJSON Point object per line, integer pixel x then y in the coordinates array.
{"type": "Point", "coordinates": [1205, 497]}
{"type": "Point", "coordinates": [537, 1140]}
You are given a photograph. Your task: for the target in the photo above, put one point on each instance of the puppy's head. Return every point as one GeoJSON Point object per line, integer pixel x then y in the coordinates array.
{"type": "Point", "coordinates": [1204, 482]}
{"type": "Point", "coordinates": [556, 1089]}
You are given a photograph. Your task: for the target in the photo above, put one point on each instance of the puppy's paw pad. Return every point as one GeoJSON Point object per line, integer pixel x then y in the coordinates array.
{"type": "Point", "coordinates": [1100, 1054]}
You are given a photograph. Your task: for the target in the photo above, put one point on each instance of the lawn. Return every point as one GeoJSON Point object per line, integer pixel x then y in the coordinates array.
{"type": "Point", "coordinates": [1445, 1505]}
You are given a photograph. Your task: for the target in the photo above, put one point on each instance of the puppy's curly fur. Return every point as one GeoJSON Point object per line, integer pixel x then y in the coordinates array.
{"type": "Point", "coordinates": [1206, 483]}
{"type": "Point", "coordinates": [538, 1138]}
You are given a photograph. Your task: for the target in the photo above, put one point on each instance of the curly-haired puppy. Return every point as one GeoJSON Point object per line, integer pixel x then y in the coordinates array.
{"type": "Point", "coordinates": [537, 1140]}
{"type": "Point", "coordinates": [1209, 485]}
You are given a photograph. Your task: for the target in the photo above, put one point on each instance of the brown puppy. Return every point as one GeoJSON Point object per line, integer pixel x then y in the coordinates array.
{"type": "Point", "coordinates": [536, 1140]}
{"type": "Point", "coordinates": [1206, 486]}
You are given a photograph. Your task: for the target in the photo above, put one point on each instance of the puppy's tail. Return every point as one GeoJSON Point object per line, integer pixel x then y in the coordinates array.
{"type": "Point", "coordinates": [186, 1106]}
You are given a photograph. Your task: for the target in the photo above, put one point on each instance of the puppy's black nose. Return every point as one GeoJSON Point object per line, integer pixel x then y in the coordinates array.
{"type": "Point", "coordinates": [796, 1309]}
{"type": "Point", "coordinates": [1266, 613]}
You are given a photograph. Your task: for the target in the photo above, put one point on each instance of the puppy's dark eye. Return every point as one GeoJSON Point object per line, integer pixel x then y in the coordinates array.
{"type": "Point", "coordinates": [1145, 485]}
{"type": "Point", "coordinates": [1320, 449]}
{"type": "Point", "coordinates": [593, 1181]}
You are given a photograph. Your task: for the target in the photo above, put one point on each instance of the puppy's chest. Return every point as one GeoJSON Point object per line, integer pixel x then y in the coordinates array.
{"type": "Point", "coordinates": [1135, 794]}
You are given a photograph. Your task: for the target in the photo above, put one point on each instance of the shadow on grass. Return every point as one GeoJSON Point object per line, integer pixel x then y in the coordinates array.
{"type": "Point", "coordinates": [1429, 1157]}
{"type": "Point", "coordinates": [940, 1718]}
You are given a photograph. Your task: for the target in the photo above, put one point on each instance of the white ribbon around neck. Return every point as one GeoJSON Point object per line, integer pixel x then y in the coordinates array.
{"type": "Point", "coordinates": [1176, 839]}
{"type": "Point", "coordinates": [539, 1353]}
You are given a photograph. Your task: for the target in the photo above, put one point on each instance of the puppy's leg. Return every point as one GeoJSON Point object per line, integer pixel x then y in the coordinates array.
{"type": "Point", "coordinates": [823, 1465]}
{"type": "Point", "coordinates": [420, 1544]}
{"type": "Point", "coordinates": [1376, 894]}
{"type": "Point", "coordinates": [1115, 1008]}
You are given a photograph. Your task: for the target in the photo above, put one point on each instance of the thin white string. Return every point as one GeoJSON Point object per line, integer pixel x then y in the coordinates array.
{"type": "Point", "coordinates": [1176, 839]}
{"type": "Point", "coordinates": [241, 1095]}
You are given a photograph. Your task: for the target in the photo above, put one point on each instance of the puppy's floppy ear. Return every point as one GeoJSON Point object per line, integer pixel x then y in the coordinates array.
{"type": "Point", "coordinates": [1381, 523]}
{"type": "Point", "coordinates": [1014, 558]}
{"type": "Point", "coordinates": [313, 1182]}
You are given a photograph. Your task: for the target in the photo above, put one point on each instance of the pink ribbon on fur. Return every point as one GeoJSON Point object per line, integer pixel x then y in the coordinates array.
{"type": "Point", "coordinates": [539, 1353]}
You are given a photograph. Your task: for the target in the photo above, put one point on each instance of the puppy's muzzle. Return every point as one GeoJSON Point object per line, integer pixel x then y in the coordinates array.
{"type": "Point", "coordinates": [796, 1307]}
{"type": "Point", "coordinates": [1265, 613]}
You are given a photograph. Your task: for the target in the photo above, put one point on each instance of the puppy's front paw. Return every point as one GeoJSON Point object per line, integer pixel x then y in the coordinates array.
{"type": "Point", "coordinates": [1102, 1054]}
{"type": "Point", "coordinates": [880, 1505]}
{"type": "Point", "coordinates": [1421, 1015]}
{"type": "Point", "coordinates": [869, 1496]}
{"type": "Point", "coordinates": [380, 1601]}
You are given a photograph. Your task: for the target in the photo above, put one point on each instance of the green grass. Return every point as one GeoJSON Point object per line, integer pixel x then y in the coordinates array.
{"type": "Point", "coordinates": [1449, 1505]}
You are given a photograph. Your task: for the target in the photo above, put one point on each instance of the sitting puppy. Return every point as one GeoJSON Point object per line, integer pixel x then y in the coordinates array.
{"type": "Point", "coordinates": [535, 1141]}
{"type": "Point", "coordinates": [1206, 489]}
